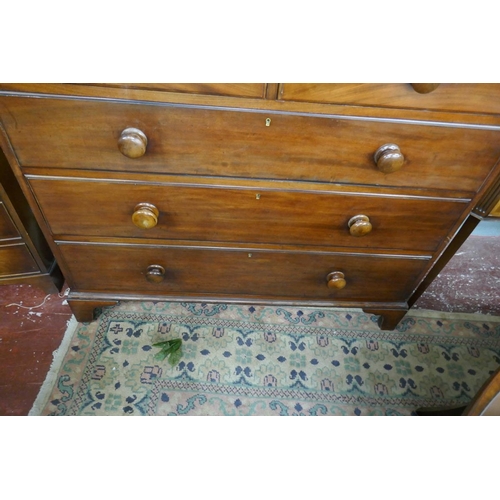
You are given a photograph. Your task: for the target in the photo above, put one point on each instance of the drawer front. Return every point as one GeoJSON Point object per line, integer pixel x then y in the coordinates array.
{"type": "Point", "coordinates": [222, 89]}
{"type": "Point", "coordinates": [461, 97]}
{"type": "Point", "coordinates": [194, 271]}
{"type": "Point", "coordinates": [16, 259]}
{"type": "Point", "coordinates": [78, 134]}
{"type": "Point", "coordinates": [106, 209]}
{"type": "Point", "coordinates": [7, 229]}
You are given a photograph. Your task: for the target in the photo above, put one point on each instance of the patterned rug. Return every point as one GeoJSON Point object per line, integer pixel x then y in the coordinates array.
{"type": "Point", "coordinates": [262, 360]}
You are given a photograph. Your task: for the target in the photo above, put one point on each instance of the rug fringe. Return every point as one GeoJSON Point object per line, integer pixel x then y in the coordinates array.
{"type": "Point", "coordinates": [57, 359]}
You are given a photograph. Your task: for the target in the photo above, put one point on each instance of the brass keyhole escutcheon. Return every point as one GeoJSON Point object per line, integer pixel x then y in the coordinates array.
{"type": "Point", "coordinates": [268, 122]}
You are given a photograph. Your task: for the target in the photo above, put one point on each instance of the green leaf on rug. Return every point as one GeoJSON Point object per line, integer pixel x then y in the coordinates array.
{"type": "Point", "coordinates": [171, 349]}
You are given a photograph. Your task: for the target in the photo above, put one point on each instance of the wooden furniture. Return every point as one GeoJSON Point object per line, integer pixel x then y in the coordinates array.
{"type": "Point", "coordinates": [307, 194]}
{"type": "Point", "coordinates": [25, 257]}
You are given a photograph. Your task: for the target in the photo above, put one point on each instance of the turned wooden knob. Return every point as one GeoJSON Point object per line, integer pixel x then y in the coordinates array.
{"type": "Point", "coordinates": [389, 158]}
{"type": "Point", "coordinates": [359, 225]}
{"type": "Point", "coordinates": [132, 143]}
{"type": "Point", "coordinates": [424, 88]}
{"type": "Point", "coordinates": [145, 216]}
{"type": "Point", "coordinates": [155, 274]}
{"type": "Point", "coordinates": [336, 280]}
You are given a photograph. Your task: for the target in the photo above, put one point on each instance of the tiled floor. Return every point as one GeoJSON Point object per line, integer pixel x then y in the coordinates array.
{"type": "Point", "coordinates": [28, 337]}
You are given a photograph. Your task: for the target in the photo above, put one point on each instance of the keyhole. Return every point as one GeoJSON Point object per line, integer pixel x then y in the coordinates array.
{"type": "Point", "coordinates": [268, 122]}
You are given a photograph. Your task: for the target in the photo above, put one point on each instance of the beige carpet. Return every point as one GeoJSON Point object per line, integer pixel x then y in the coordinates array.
{"type": "Point", "coordinates": [261, 360]}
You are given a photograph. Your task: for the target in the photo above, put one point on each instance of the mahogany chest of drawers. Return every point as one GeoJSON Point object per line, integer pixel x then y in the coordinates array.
{"type": "Point", "coordinates": [308, 194]}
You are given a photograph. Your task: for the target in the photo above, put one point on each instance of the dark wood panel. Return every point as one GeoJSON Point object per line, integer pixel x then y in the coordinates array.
{"type": "Point", "coordinates": [303, 276]}
{"type": "Point", "coordinates": [16, 259]}
{"type": "Point", "coordinates": [48, 282]}
{"type": "Point", "coordinates": [7, 228]}
{"type": "Point", "coordinates": [79, 207]}
{"type": "Point", "coordinates": [74, 134]}
{"type": "Point", "coordinates": [222, 89]}
{"type": "Point", "coordinates": [21, 213]}
{"type": "Point", "coordinates": [463, 97]}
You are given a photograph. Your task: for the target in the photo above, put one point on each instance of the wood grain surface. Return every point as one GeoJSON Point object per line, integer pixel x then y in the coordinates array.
{"type": "Point", "coordinates": [191, 270]}
{"type": "Point", "coordinates": [7, 229]}
{"type": "Point", "coordinates": [272, 215]}
{"type": "Point", "coordinates": [463, 97]}
{"type": "Point", "coordinates": [79, 134]}
{"type": "Point", "coordinates": [223, 89]}
{"type": "Point", "coordinates": [16, 259]}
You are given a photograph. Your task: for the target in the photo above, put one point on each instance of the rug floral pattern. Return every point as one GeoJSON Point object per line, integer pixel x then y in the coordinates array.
{"type": "Point", "coordinates": [261, 360]}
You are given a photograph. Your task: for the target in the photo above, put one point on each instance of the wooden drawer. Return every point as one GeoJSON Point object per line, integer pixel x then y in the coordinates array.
{"type": "Point", "coordinates": [85, 134]}
{"type": "Point", "coordinates": [80, 207]}
{"type": "Point", "coordinates": [16, 259]}
{"type": "Point", "coordinates": [462, 97]}
{"type": "Point", "coordinates": [7, 229]}
{"type": "Point", "coordinates": [223, 89]}
{"type": "Point", "coordinates": [194, 271]}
